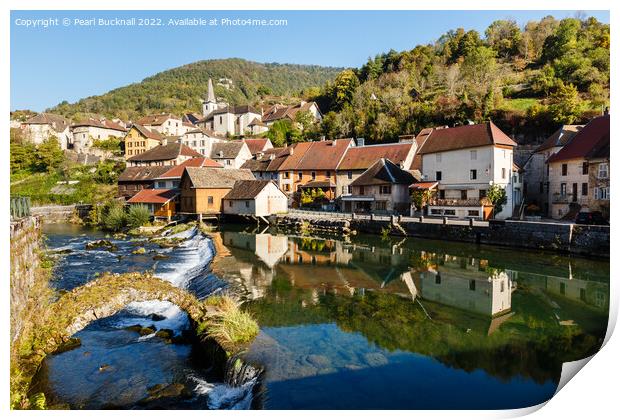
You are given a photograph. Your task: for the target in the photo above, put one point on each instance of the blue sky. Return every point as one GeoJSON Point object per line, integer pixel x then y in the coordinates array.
{"type": "Point", "coordinates": [49, 65]}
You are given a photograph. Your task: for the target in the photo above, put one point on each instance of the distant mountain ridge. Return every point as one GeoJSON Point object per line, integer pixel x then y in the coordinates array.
{"type": "Point", "coordinates": [180, 89]}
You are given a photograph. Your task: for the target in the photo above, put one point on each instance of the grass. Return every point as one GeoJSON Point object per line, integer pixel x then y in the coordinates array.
{"type": "Point", "coordinates": [519, 104]}
{"type": "Point", "coordinates": [229, 325]}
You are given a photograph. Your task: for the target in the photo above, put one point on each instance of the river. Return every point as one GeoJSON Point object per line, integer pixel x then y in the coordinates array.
{"type": "Point", "coordinates": [345, 324]}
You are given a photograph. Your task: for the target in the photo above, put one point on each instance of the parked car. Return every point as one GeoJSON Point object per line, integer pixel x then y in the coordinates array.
{"type": "Point", "coordinates": [590, 218]}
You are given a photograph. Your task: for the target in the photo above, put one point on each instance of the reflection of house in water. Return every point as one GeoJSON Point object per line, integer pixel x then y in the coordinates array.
{"type": "Point", "coordinates": [472, 290]}
{"type": "Point", "coordinates": [268, 248]}
{"type": "Point", "coordinates": [589, 292]}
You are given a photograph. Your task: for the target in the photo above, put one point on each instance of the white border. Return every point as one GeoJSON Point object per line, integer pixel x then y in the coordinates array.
{"type": "Point", "coordinates": [592, 394]}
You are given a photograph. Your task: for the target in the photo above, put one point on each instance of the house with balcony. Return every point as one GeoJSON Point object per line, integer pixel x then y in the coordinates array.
{"type": "Point", "coordinates": [572, 188]}
{"type": "Point", "coordinates": [465, 161]}
{"type": "Point", "coordinates": [381, 189]}
{"type": "Point", "coordinates": [360, 157]}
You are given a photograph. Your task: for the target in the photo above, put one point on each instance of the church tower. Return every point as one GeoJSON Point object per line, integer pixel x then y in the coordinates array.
{"type": "Point", "coordinates": [209, 104]}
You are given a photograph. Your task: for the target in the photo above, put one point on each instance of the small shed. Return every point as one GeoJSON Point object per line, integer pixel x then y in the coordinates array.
{"type": "Point", "coordinates": [255, 198]}
{"type": "Point", "coordinates": [160, 202]}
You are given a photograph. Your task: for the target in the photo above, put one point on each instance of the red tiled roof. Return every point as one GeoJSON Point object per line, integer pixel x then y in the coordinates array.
{"type": "Point", "coordinates": [199, 162]}
{"type": "Point", "coordinates": [153, 196]}
{"type": "Point", "coordinates": [157, 119]}
{"type": "Point", "coordinates": [590, 138]}
{"type": "Point", "coordinates": [316, 155]}
{"type": "Point", "coordinates": [465, 136]}
{"type": "Point", "coordinates": [362, 158]}
{"type": "Point", "coordinates": [165, 152]}
{"type": "Point", "coordinates": [424, 185]}
{"type": "Point", "coordinates": [256, 145]}
{"type": "Point", "coordinates": [560, 137]}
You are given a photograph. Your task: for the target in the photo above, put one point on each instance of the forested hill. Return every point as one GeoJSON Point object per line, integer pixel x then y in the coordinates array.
{"type": "Point", "coordinates": [180, 89]}
{"type": "Point", "coordinates": [528, 80]}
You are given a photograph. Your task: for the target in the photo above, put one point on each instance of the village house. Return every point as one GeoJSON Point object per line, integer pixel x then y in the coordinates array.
{"type": "Point", "coordinates": [172, 177]}
{"type": "Point", "coordinates": [87, 131]}
{"type": "Point", "coordinates": [312, 166]}
{"type": "Point", "coordinates": [571, 186]}
{"type": "Point", "coordinates": [201, 140]}
{"type": "Point", "coordinates": [466, 161]}
{"type": "Point", "coordinates": [256, 126]}
{"type": "Point", "coordinates": [139, 139]}
{"type": "Point", "coordinates": [360, 157]}
{"type": "Point", "coordinates": [382, 188]}
{"type": "Point", "coordinates": [45, 125]}
{"type": "Point", "coordinates": [281, 112]}
{"type": "Point", "coordinates": [266, 164]}
{"type": "Point", "coordinates": [166, 154]}
{"type": "Point", "coordinates": [136, 178]}
{"type": "Point", "coordinates": [536, 178]}
{"type": "Point", "coordinates": [258, 145]}
{"type": "Point", "coordinates": [230, 154]}
{"type": "Point", "coordinates": [202, 189]}
{"type": "Point", "coordinates": [161, 203]}
{"type": "Point", "coordinates": [166, 124]}
{"type": "Point", "coordinates": [256, 198]}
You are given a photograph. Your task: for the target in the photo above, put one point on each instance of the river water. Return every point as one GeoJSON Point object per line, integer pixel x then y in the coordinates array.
{"type": "Point", "coordinates": [345, 324]}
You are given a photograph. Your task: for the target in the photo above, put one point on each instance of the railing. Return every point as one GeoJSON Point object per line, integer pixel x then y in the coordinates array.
{"type": "Point", "coordinates": [20, 207]}
{"type": "Point", "coordinates": [454, 202]}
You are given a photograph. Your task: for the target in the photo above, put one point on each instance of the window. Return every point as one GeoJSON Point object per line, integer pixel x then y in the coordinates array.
{"type": "Point", "coordinates": [562, 288]}
{"type": "Point", "coordinates": [541, 188]}
{"type": "Point", "coordinates": [435, 211]}
{"type": "Point", "coordinates": [381, 205]}
{"type": "Point", "coordinates": [328, 174]}
{"type": "Point", "coordinates": [584, 168]}
{"type": "Point", "coordinates": [442, 194]}
{"type": "Point", "coordinates": [350, 174]}
{"type": "Point", "coordinates": [220, 120]}
{"type": "Point", "coordinates": [350, 189]}
{"type": "Point", "coordinates": [473, 174]}
{"type": "Point", "coordinates": [438, 176]}
{"type": "Point", "coordinates": [313, 175]}
{"type": "Point", "coordinates": [463, 194]}
{"type": "Point", "coordinates": [601, 193]}
{"type": "Point", "coordinates": [473, 213]}
{"type": "Point", "coordinates": [449, 212]}
{"type": "Point", "coordinates": [299, 175]}
{"type": "Point", "coordinates": [227, 162]}
{"type": "Point", "coordinates": [472, 285]}
{"type": "Point", "coordinates": [473, 155]}
{"type": "Point", "coordinates": [161, 184]}
{"type": "Point", "coordinates": [287, 175]}
{"type": "Point", "coordinates": [230, 204]}
{"type": "Point", "coordinates": [287, 187]}
{"type": "Point", "coordinates": [564, 169]}
{"type": "Point", "coordinates": [437, 278]}
{"type": "Point", "coordinates": [361, 190]}
{"type": "Point", "coordinates": [247, 204]}
{"type": "Point", "coordinates": [603, 170]}
{"type": "Point", "coordinates": [438, 157]}
{"type": "Point", "coordinates": [385, 189]}
{"type": "Point", "coordinates": [503, 173]}
{"type": "Point", "coordinates": [563, 189]}
{"type": "Point", "coordinates": [584, 189]}
{"type": "Point", "coordinates": [501, 287]}
{"type": "Point", "coordinates": [482, 193]}
{"type": "Point", "coordinates": [210, 200]}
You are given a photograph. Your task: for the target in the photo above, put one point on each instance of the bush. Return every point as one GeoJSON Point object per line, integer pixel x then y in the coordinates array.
{"type": "Point", "coordinates": [115, 219]}
{"type": "Point", "coordinates": [138, 215]}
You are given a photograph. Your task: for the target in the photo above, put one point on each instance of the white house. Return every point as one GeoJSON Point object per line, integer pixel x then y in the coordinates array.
{"type": "Point", "coordinates": [255, 198]}
{"type": "Point", "coordinates": [166, 124]}
{"type": "Point", "coordinates": [280, 112]}
{"type": "Point", "coordinates": [201, 140]}
{"type": "Point", "coordinates": [466, 161]}
{"type": "Point", "coordinates": [87, 131]}
{"type": "Point", "coordinates": [43, 126]}
{"type": "Point", "coordinates": [230, 154]}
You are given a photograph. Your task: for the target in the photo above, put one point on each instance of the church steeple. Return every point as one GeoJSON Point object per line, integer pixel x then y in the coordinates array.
{"type": "Point", "coordinates": [209, 104]}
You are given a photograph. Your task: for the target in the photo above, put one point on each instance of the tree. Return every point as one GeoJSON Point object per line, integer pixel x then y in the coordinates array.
{"type": "Point", "coordinates": [283, 132]}
{"type": "Point", "coordinates": [49, 155]}
{"type": "Point", "coordinates": [343, 88]}
{"type": "Point", "coordinates": [544, 81]}
{"type": "Point", "coordinates": [304, 120]}
{"type": "Point", "coordinates": [421, 198]}
{"type": "Point", "coordinates": [479, 77]}
{"type": "Point", "coordinates": [565, 105]}
{"type": "Point", "coordinates": [504, 36]}
{"type": "Point", "coordinates": [497, 196]}
{"type": "Point", "coordinates": [138, 215]}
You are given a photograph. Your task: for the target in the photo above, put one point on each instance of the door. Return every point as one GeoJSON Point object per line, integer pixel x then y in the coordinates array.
{"type": "Point", "coordinates": [574, 192]}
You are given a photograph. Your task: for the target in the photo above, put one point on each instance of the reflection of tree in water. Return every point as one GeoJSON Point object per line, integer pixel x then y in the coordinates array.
{"type": "Point", "coordinates": [530, 344]}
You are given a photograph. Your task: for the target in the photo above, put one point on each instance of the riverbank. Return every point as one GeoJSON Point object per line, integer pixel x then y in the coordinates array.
{"type": "Point", "coordinates": [42, 323]}
{"type": "Point", "coordinates": [582, 240]}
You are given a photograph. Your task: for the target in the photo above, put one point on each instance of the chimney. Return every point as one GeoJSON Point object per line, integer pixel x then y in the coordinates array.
{"type": "Point", "coordinates": [322, 138]}
{"type": "Point", "coordinates": [220, 153]}
{"type": "Point", "coordinates": [259, 155]}
{"type": "Point", "coordinates": [164, 141]}
{"type": "Point", "coordinates": [360, 141]}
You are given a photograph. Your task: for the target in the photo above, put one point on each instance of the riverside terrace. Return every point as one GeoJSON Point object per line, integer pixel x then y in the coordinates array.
{"type": "Point", "coordinates": [587, 240]}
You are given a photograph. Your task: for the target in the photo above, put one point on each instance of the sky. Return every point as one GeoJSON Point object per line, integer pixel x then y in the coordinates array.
{"type": "Point", "coordinates": [68, 62]}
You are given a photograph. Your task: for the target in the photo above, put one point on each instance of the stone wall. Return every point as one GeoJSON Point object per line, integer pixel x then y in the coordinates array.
{"type": "Point", "coordinates": [583, 240]}
{"type": "Point", "coordinates": [25, 243]}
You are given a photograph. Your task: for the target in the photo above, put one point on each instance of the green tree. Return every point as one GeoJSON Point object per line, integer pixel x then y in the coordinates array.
{"type": "Point", "coordinates": [504, 36]}
{"type": "Point", "coordinates": [479, 78]}
{"type": "Point", "coordinates": [343, 88]}
{"type": "Point", "coordinates": [49, 155]}
{"type": "Point", "coordinates": [497, 195]}
{"type": "Point", "coordinates": [138, 215]}
{"type": "Point", "coordinates": [565, 104]}
{"type": "Point", "coordinates": [305, 120]}
{"type": "Point", "coordinates": [283, 132]}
